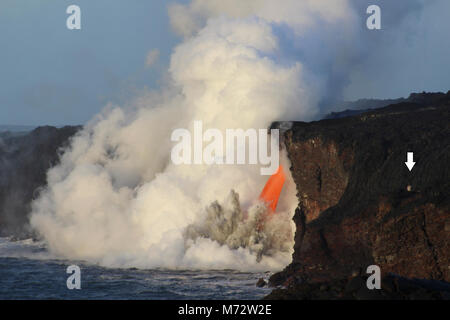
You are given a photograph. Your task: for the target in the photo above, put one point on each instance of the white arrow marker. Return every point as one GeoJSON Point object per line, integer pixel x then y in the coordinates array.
{"type": "Point", "coordinates": [409, 160]}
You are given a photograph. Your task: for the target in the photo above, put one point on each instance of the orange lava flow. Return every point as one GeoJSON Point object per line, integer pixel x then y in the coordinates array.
{"type": "Point", "coordinates": [272, 189]}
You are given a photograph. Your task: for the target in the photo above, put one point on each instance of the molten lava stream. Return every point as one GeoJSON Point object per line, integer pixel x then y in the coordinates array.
{"type": "Point", "coordinates": [272, 189]}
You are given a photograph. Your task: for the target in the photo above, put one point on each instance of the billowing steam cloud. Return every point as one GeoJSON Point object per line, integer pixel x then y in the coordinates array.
{"type": "Point", "coordinates": [116, 198]}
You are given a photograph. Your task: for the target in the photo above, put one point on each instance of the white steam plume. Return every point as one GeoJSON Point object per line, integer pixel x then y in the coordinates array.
{"type": "Point", "coordinates": [117, 200]}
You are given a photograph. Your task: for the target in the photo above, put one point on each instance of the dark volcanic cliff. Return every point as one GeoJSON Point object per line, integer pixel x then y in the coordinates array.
{"type": "Point", "coordinates": [359, 205]}
{"type": "Point", "coordinates": [24, 161]}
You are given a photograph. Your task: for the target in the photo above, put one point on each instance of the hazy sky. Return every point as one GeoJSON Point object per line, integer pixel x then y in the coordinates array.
{"type": "Point", "coordinates": [52, 75]}
{"type": "Point", "coordinates": [411, 52]}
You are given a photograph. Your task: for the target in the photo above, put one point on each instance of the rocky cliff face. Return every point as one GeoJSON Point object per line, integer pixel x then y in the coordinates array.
{"type": "Point", "coordinates": [24, 161]}
{"type": "Point", "coordinates": [359, 204]}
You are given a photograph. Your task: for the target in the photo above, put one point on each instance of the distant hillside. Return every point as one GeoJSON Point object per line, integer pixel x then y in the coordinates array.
{"type": "Point", "coordinates": [352, 108]}
{"type": "Point", "coordinates": [24, 161]}
{"type": "Point", "coordinates": [10, 128]}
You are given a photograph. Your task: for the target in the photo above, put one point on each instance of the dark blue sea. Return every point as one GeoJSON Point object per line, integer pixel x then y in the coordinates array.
{"type": "Point", "coordinates": [27, 272]}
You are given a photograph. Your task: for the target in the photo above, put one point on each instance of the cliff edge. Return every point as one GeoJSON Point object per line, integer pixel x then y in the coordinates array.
{"type": "Point", "coordinates": [359, 205]}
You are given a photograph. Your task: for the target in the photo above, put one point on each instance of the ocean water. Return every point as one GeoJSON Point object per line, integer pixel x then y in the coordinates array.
{"type": "Point", "coordinates": [27, 271]}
